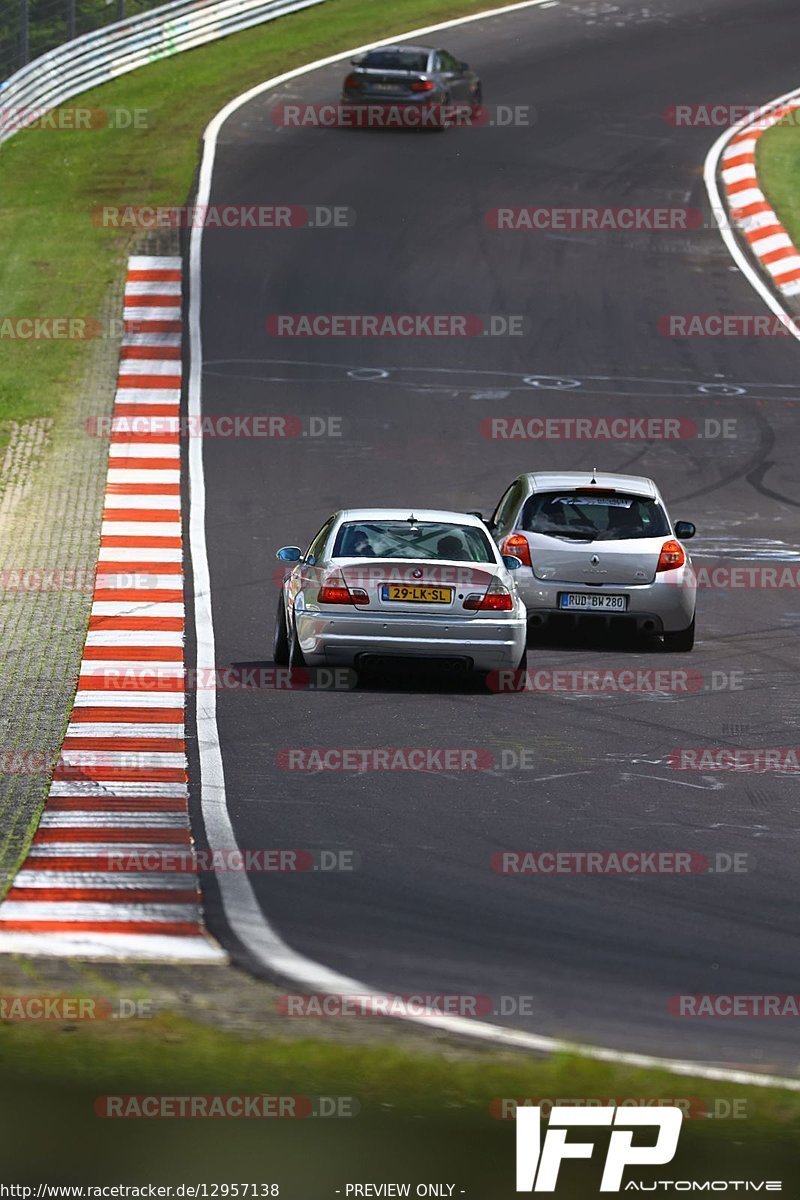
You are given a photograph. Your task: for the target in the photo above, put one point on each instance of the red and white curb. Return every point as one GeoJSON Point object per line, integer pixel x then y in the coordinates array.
{"type": "Point", "coordinates": [750, 210]}
{"type": "Point", "coordinates": [119, 795]}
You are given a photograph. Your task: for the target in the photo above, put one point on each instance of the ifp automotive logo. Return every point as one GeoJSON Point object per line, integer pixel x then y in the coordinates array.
{"type": "Point", "coordinates": [538, 1161]}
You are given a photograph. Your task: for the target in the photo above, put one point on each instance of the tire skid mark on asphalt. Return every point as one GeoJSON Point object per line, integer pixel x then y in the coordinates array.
{"type": "Point", "coordinates": [120, 788]}
{"type": "Point", "coordinates": [712, 785]}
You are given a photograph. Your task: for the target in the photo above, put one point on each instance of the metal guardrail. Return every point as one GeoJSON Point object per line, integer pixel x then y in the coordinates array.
{"type": "Point", "coordinates": [29, 28]}
{"type": "Point", "coordinates": [104, 54]}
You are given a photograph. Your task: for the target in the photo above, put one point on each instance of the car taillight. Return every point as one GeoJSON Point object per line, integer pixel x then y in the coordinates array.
{"type": "Point", "coordinates": [500, 600]}
{"type": "Point", "coordinates": [336, 591]}
{"type": "Point", "coordinates": [423, 85]}
{"type": "Point", "coordinates": [333, 594]}
{"type": "Point", "coordinates": [497, 602]}
{"type": "Point", "coordinates": [517, 544]}
{"type": "Point", "coordinates": [672, 555]}
{"type": "Point", "coordinates": [353, 83]}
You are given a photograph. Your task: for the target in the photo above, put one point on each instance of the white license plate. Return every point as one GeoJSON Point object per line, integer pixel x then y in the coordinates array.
{"type": "Point", "coordinates": [385, 87]}
{"type": "Point", "coordinates": [589, 602]}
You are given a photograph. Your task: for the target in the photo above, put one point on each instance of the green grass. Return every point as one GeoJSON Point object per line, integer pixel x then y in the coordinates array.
{"type": "Point", "coordinates": [417, 1112]}
{"type": "Point", "coordinates": [55, 261]}
{"type": "Point", "coordinates": [778, 162]}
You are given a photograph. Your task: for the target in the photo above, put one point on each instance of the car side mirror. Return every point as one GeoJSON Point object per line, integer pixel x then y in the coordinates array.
{"type": "Point", "coordinates": [511, 562]}
{"type": "Point", "coordinates": [289, 554]}
{"type": "Point", "coordinates": [463, 66]}
{"type": "Point", "coordinates": [685, 529]}
{"type": "Point", "coordinates": [479, 515]}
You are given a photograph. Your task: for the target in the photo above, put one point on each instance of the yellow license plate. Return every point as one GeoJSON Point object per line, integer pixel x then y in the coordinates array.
{"type": "Point", "coordinates": [416, 593]}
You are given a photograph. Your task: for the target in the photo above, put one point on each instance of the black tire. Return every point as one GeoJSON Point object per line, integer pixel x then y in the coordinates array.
{"type": "Point", "coordinates": [442, 124]}
{"type": "Point", "coordinates": [680, 642]}
{"type": "Point", "coordinates": [296, 658]}
{"type": "Point", "coordinates": [280, 637]}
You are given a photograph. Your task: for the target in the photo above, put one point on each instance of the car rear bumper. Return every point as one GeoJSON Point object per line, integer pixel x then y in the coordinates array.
{"type": "Point", "coordinates": [417, 99]}
{"type": "Point", "coordinates": [429, 111]}
{"type": "Point", "coordinates": [664, 606]}
{"type": "Point", "coordinates": [341, 639]}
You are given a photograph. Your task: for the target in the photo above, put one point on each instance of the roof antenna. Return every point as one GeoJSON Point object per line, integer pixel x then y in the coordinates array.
{"type": "Point", "coordinates": [594, 475]}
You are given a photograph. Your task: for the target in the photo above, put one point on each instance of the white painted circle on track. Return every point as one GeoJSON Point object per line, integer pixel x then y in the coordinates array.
{"type": "Point", "coordinates": [368, 373]}
{"type": "Point", "coordinates": [558, 383]}
{"type": "Point", "coordinates": [721, 389]}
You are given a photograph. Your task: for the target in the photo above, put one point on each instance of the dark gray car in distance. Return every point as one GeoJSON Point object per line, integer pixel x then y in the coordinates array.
{"type": "Point", "coordinates": [411, 75]}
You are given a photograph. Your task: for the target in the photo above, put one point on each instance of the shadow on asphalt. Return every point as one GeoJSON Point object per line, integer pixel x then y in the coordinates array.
{"type": "Point", "coordinates": [417, 676]}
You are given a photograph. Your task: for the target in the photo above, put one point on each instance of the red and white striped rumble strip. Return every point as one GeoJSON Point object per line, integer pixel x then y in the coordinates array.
{"type": "Point", "coordinates": [751, 211]}
{"type": "Point", "coordinates": [121, 787]}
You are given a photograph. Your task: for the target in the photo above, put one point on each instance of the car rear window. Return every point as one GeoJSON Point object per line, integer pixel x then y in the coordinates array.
{"type": "Point", "coordinates": [395, 60]}
{"type": "Point", "coordinates": [406, 539]}
{"type": "Point", "coordinates": [594, 516]}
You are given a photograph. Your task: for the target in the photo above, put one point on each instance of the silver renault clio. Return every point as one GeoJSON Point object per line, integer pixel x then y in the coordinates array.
{"type": "Point", "coordinates": [379, 584]}
{"type": "Point", "coordinates": [600, 547]}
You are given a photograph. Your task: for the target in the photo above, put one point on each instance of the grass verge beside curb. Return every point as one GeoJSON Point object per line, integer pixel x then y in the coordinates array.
{"type": "Point", "coordinates": [778, 165]}
{"type": "Point", "coordinates": [395, 1106]}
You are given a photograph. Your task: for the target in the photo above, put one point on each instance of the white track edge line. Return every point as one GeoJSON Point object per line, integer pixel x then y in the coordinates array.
{"type": "Point", "coordinates": [240, 906]}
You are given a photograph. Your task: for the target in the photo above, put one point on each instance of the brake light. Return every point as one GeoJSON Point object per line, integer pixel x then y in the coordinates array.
{"type": "Point", "coordinates": [336, 591]}
{"type": "Point", "coordinates": [333, 594]}
{"type": "Point", "coordinates": [497, 601]}
{"type": "Point", "coordinates": [423, 85]}
{"type": "Point", "coordinates": [353, 83]}
{"type": "Point", "coordinates": [672, 555]}
{"type": "Point", "coordinates": [517, 544]}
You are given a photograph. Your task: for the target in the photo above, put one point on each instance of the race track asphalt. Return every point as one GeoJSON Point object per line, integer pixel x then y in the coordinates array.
{"type": "Point", "coordinates": [594, 958]}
